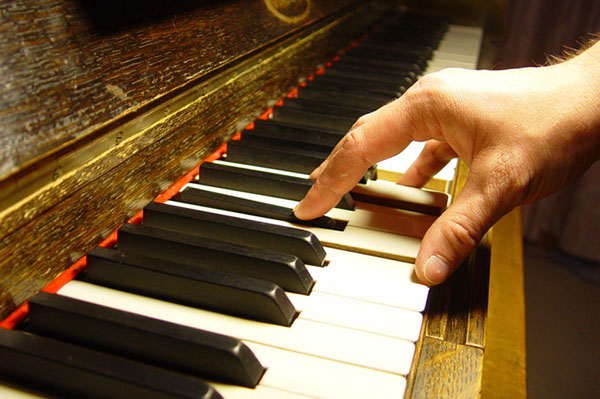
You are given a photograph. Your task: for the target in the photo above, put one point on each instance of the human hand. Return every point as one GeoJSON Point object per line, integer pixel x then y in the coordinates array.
{"type": "Point", "coordinates": [524, 133]}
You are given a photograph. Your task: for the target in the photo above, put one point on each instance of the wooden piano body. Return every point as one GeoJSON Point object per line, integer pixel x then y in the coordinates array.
{"type": "Point", "coordinates": [104, 107]}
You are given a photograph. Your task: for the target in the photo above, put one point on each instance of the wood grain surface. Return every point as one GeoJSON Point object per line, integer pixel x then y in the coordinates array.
{"type": "Point", "coordinates": [68, 67]}
{"type": "Point", "coordinates": [47, 231]}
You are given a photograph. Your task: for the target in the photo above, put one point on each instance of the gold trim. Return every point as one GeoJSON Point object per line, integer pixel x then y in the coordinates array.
{"type": "Point", "coordinates": [287, 19]}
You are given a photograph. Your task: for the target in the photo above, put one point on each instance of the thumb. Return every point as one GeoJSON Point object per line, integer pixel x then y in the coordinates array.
{"type": "Point", "coordinates": [454, 235]}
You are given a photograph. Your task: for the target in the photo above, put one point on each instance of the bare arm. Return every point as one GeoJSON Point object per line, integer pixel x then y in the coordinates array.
{"type": "Point", "coordinates": [524, 133]}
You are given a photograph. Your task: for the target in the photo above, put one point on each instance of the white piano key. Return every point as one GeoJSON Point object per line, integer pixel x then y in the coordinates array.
{"type": "Point", "coordinates": [372, 242]}
{"type": "Point", "coordinates": [400, 163]}
{"type": "Point", "coordinates": [259, 392]}
{"type": "Point", "coordinates": [370, 278]}
{"type": "Point", "coordinates": [458, 49]}
{"type": "Point", "coordinates": [359, 315]}
{"type": "Point", "coordinates": [262, 169]}
{"type": "Point", "coordinates": [8, 390]}
{"type": "Point", "coordinates": [324, 378]}
{"type": "Point", "coordinates": [311, 338]}
{"type": "Point", "coordinates": [417, 196]}
{"type": "Point", "coordinates": [293, 375]}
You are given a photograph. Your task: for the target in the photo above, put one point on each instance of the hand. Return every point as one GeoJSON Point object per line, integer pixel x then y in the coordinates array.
{"type": "Point", "coordinates": [524, 133]}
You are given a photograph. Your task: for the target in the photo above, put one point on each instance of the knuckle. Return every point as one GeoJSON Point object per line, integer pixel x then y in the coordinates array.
{"type": "Point", "coordinates": [354, 145]}
{"type": "Point", "coordinates": [462, 234]}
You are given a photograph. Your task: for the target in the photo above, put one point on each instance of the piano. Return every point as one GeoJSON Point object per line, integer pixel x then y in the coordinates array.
{"type": "Point", "coordinates": [111, 109]}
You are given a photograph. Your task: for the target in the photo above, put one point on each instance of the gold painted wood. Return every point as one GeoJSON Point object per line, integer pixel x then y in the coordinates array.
{"type": "Point", "coordinates": [504, 374]}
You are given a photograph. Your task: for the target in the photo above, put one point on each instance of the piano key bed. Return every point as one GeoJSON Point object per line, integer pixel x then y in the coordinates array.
{"type": "Point", "coordinates": [221, 292]}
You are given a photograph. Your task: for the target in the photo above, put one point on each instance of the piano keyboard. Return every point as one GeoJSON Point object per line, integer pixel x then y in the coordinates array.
{"type": "Point", "coordinates": [221, 292]}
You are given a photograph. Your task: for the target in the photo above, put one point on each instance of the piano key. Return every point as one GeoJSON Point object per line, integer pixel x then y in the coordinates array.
{"type": "Point", "coordinates": [188, 350]}
{"type": "Point", "coordinates": [333, 109]}
{"type": "Point", "coordinates": [221, 198]}
{"type": "Point", "coordinates": [15, 391]}
{"type": "Point", "coordinates": [226, 293]}
{"type": "Point", "coordinates": [280, 268]}
{"type": "Point", "coordinates": [360, 315]}
{"type": "Point", "coordinates": [312, 119]}
{"type": "Point", "coordinates": [304, 336]}
{"type": "Point", "coordinates": [365, 215]}
{"type": "Point", "coordinates": [392, 168]}
{"type": "Point", "coordinates": [323, 95]}
{"type": "Point", "coordinates": [292, 146]}
{"type": "Point", "coordinates": [345, 273]}
{"type": "Point", "coordinates": [405, 79]}
{"type": "Point", "coordinates": [281, 154]}
{"type": "Point", "coordinates": [397, 196]}
{"type": "Point", "coordinates": [272, 157]}
{"type": "Point", "coordinates": [235, 177]}
{"type": "Point", "coordinates": [283, 172]}
{"type": "Point", "coordinates": [323, 378]}
{"type": "Point", "coordinates": [377, 64]}
{"type": "Point", "coordinates": [356, 86]}
{"type": "Point", "coordinates": [354, 239]}
{"type": "Point", "coordinates": [324, 307]}
{"type": "Point", "coordinates": [298, 242]}
{"type": "Point", "coordinates": [63, 369]}
{"type": "Point", "coordinates": [387, 53]}
{"type": "Point", "coordinates": [375, 191]}
{"type": "Point", "coordinates": [370, 278]}
{"type": "Point", "coordinates": [280, 130]}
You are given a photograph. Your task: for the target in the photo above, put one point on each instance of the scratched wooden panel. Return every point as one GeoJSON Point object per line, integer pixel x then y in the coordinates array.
{"type": "Point", "coordinates": [71, 66]}
{"type": "Point", "coordinates": [66, 219]}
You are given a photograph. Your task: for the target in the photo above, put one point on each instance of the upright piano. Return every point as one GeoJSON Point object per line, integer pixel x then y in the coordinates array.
{"type": "Point", "coordinates": [112, 107]}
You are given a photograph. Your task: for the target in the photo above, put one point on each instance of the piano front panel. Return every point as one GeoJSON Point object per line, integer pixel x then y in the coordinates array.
{"type": "Point", "coordinates": [101, 182]}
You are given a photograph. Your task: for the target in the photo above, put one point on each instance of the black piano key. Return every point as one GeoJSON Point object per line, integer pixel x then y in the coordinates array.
{"type": "Point", "coordinates": [272, 157]}
{"type": "Point", "coordinates": [354, 55]}
{"type": "Point", "coordinates": [383, 66]}
{"type": "Point", "coordinates": [313, 119]}
{"type": "Point", "coordinates": [323, 107]}
{"type": "Point", "coordinates": [258, 182]}
{"type": "Point", "coordinates": [160, 343]}
{"type": "Point", "coordinates": [332, 96]}
{"type": "Point", "coordinates": [286, 158]}
{"type": "Point", "coordinates": [299, 242]}
{"type": "Point", "coordinates": [392, 79]}
{"type": "Point", "coordinates": [356, 86]}
{"type": "Point", "coordinates": [225, 293]}
{"type": "Point", "coordinates": [284, 144]}
{"type": "Point", "coordinates": [285, 131]}
{"type": "Point", "coordinates": [242, 205]}
{"type": "Point", "coordinates": [387, 55]}
{"type": "Point", "coordinates": [65, 370]}
{"type": "Point", "coordinates": [282, 269]}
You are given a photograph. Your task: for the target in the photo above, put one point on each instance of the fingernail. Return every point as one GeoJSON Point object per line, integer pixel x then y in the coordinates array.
{"type": "Point", "coordinates": [436, 270]}
{"type": "Point", "coordinates": [296, 207]}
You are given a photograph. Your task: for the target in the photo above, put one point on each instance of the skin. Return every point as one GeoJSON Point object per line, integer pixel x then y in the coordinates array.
{"type": "Point", "coordinates": [524, 133]}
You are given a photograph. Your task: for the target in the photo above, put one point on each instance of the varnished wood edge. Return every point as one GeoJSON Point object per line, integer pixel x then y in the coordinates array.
{"type": "Point", "coordinates": [49, 170]}
{"type": "Point", "coordinates": [504, 366]}
{"type": "Point", "coordinates": [54, 164]}
{"type": "Point", "coordinates": [48, 241]}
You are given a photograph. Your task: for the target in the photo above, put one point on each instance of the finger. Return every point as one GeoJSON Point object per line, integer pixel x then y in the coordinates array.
{"type": "Point", "coordinates": [319, 170]}
{"type": "Point", "coordinates": [457, 231]}
{"type": "Point", "coordinates": [344, 168]}
{"type": "Point", "coordinates": [433, 158]}
{"type": "Point", "coordinates": [377, 137]}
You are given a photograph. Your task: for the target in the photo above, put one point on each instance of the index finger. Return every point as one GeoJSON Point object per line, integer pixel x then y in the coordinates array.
{"type": "Point", "coordinates": [376, 136]}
